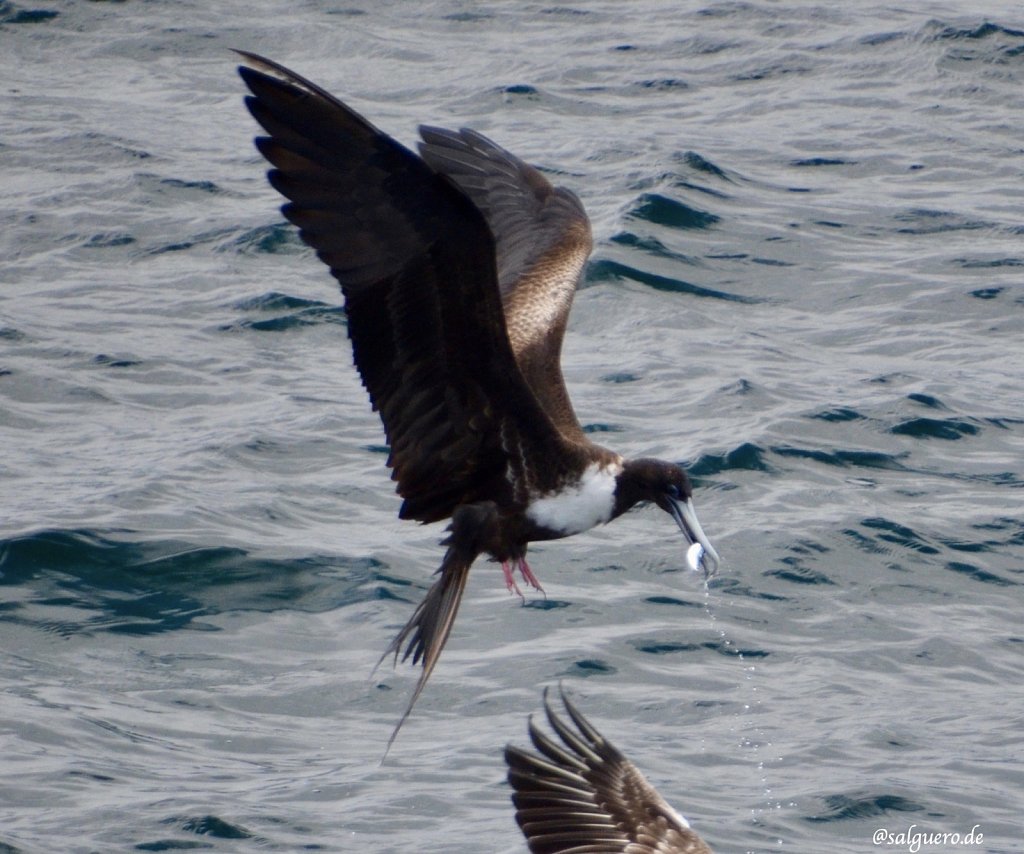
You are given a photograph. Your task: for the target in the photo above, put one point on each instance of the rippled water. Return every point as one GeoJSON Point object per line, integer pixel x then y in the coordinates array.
{"type": "Point", "coordinates": [806, 286]}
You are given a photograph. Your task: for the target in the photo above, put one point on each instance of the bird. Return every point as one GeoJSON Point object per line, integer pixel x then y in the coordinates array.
{"type": "Point", "coordinates": [587, 796]}
{"type": "Point", "coordinates": [458, 266]}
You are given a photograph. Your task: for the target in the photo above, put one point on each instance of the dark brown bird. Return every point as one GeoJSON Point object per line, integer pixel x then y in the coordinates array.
{"type": "Point", "coordinates": [588, 798]}
{"type": "Point", "coordinates": [458, 267]}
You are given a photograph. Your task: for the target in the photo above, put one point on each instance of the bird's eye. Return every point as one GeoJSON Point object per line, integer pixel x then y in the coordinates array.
{"type": "Point", "coordinates": [673, 491]}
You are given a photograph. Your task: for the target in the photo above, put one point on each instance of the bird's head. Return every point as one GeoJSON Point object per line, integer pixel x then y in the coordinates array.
{"type": "Point", "coordinates": [668, 486]}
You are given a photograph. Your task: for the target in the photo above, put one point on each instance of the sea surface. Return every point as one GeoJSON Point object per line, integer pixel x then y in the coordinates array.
{"type": "Point", "coordinates": [807, 286]}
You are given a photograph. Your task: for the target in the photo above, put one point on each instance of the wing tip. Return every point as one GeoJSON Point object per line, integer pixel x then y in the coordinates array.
{"type": "Point", "coordinates": [557, 791]}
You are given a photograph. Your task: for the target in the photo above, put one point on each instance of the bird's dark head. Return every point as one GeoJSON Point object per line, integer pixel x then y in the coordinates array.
{"type": "Point", "coordinates": [668, 486]}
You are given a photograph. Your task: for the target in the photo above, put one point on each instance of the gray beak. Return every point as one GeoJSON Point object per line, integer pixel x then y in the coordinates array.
{"type": "Point", "coordinates": [686, 519]}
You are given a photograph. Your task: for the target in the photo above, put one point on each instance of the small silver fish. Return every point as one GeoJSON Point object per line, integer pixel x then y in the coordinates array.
{"type": "Point", "coordinates": [693, 555]}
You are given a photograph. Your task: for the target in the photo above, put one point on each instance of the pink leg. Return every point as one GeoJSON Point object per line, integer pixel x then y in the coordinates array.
{"type": "Point", "coordinates": [528, 576]}
{"type": "Point", "coordinates": [510, 582]}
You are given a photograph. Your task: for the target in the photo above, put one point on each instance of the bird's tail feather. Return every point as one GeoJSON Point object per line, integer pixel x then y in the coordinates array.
{"type": "Point", "coordinates": [426, 633]}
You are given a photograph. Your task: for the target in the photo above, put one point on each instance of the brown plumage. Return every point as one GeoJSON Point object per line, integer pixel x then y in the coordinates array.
{"type": "Point", "coordinates": [585, 797]}
{"type": "Point", "coordinates": [458, 267]}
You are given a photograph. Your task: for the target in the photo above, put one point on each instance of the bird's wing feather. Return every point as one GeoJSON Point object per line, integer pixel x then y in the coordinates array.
{"type": "Point", "coordinates": [542, 238]}
{"type": "Point", "coordinates": [416, 262]}
{"type": "Point", "coordinates": [585, 797]}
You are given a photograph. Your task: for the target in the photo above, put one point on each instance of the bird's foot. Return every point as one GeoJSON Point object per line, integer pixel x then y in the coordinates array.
{"type": "Point", "coordinates": [510, 582]}
{"type": "Point", "coordinates": [508, 567]}
{"type": "Point", "coordinates": [528, 576]}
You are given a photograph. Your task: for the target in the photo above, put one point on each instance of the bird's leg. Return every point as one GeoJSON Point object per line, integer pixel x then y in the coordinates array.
{"type": "Point", "coordinates": [510, 582]}
{"type": "Point", "coordinates": [528, 576]}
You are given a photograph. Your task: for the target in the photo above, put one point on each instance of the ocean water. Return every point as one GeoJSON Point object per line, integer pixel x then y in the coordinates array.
{"type": "Point", "coordinates": [806, 286]}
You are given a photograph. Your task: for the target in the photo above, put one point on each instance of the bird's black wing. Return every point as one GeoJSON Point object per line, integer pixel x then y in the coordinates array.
{"type": "Point", "coordinates": [416, 261]}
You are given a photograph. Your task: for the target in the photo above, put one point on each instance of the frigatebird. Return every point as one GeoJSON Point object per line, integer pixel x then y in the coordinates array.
{"type": "Point", "coordinates": [585, 795]}
{"type": "Point", "coordinates": [458, 267]}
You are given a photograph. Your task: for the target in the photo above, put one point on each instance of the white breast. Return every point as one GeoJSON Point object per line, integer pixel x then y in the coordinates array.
{"type": "Point", "coordinates": [581, 506]}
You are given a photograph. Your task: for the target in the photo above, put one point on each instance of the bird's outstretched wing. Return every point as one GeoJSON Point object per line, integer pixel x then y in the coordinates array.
{"type": "Point", "coordinates": [542, 238]}
{"type": "Point", "coordinates": [416, 260]}
{"type": "Point", "coordinates": [584, 795]}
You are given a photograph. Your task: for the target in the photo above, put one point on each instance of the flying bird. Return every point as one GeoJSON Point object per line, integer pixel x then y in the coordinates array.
{"type": "Point", "coordinates": [584, 795]}
{"type": "Point", "coordinates": [458, 267]}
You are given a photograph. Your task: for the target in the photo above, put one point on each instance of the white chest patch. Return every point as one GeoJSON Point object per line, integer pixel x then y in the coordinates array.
{"type": "Point", "coordinates": [587, 503]}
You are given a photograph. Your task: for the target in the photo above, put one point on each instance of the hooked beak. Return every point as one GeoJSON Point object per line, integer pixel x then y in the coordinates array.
{"type": "Point", "coordinates": [686, 519]}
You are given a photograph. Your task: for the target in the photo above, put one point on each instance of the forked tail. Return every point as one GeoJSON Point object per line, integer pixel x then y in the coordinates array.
{"type": "Point", "coordinates": [426, 633]}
